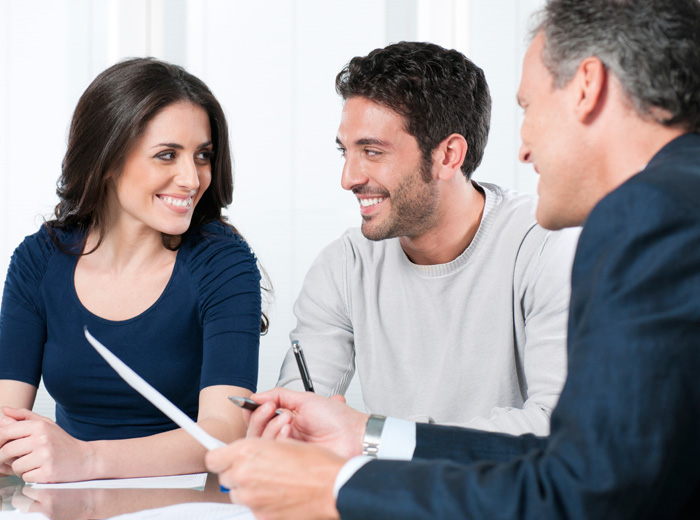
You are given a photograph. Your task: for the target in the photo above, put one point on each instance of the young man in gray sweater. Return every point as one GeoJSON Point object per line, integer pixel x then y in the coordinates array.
{"type": "Point", "coordinates": [451, 301]}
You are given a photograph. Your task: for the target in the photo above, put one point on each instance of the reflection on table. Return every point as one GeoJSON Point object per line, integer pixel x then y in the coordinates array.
{"type": "Point", "coordinates": [84, 504]}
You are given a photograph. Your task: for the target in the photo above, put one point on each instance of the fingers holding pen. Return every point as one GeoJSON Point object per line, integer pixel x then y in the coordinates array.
{"type": "Point", "coordinates": [329, 422]}
{"type": "Point", "coordinates": [284, 398]}
{"type": "Point", "coordinates": [263, 421]}
{"type": "Point", "coordinates": [266, 423]}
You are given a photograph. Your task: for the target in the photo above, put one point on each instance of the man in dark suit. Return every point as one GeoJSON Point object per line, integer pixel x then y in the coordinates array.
{"type": "Point", "coordinates": [611, 94]}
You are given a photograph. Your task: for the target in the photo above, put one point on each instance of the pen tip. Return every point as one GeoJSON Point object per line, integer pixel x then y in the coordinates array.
{"type": "Point", "coordinates": [235, 399]}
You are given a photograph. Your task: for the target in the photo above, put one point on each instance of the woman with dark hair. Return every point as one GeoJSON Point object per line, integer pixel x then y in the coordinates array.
{"type": "Point", "coordinates": [140, 253]}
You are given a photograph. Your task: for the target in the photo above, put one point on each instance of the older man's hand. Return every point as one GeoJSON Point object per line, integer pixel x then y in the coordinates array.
{"type": "Point", "coordinates": [310, 418]}
{"type": "Point", "coordinates": [279, 480]}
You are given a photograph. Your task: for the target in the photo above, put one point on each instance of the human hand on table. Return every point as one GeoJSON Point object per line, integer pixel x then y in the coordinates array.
{"type": "Point", "coordinates": [36, 449]}
{"type": "Point", "coordinates": [5, 468]}
{"type": "Point", "coordinates": [326, 422]}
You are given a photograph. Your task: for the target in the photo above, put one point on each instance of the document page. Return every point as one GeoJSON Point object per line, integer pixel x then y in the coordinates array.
{"type": "Point", "coordinates": [192, 511]}
{"type": "Point", "coordinates": [193, 481]}
{"type": "Point", "coordinates": [14, 515]}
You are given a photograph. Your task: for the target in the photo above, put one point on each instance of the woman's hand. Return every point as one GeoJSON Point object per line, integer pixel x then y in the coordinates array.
{"type": "Point", "coordinates": [38, 450]}
{"type": "Point", "coordinates": [5, 468]}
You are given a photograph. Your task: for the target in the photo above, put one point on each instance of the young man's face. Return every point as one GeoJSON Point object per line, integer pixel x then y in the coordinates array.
{"type": "Point", "coordinates": [384, 169]}
{"type": "Point", "coordinates": [550, 143]}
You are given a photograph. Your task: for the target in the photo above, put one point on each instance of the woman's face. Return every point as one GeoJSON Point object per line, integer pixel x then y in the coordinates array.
{"type": "Point", "coordinates": [165, 173]}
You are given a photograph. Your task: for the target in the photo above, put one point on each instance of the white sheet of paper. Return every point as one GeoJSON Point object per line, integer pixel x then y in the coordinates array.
{"type": "Point", "coordinates": [154, 396]}
{"type": "Point", "coordinates": [192, 511]}
{"type": "Point", "coordinates": [16, 515]}
{"type": "Point", "coordinates": [193, 481]}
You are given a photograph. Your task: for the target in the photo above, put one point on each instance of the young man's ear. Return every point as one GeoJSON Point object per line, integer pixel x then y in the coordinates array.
{"type": "Point", "coordinates": [449, 156]}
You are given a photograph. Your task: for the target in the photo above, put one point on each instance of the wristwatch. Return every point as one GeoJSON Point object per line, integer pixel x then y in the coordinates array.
{"type": "Point", "coordinates": [373, 434]}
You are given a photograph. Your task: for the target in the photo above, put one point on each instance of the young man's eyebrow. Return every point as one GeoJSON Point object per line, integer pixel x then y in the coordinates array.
{"type": "Point", "coordinates": [371, 140]}
{"type": "Point", "coordinates": [365, 141]}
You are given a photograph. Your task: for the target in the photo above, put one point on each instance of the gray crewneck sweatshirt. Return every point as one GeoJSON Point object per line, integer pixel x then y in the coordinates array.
{"type": "Point", "coordinates": [479, 341]}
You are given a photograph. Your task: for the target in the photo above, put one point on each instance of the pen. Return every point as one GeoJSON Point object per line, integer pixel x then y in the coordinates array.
{"type": "Point", "coordinates": [247, 404]}
{"type": "Point", "coordinates": [303, 369]}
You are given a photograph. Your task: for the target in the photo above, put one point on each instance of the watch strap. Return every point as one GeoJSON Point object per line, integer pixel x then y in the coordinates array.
{"type": "Point", "coordinates": [373, 434]}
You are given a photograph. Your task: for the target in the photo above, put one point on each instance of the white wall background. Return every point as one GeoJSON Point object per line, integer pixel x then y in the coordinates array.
{"type": "Point", "coordinates": [272, 64]}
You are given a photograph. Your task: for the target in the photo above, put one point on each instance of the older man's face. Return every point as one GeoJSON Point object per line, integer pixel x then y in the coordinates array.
{"type": "Point", "coordinates": [551, 142]}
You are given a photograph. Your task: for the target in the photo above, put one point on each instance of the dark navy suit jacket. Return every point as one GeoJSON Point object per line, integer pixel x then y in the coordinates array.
{"type": "Point", "coordinates": [625, 436]}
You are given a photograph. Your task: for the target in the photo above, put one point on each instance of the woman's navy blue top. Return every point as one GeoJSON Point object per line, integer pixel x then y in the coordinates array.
{"type": "Point", "coordinates": [204, 330]}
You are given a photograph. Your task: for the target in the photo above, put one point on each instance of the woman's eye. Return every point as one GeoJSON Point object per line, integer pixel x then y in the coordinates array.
{"type": "Point", "coordinates": [205, 155]}
{"type": "Point", "coordinates": [166, 156]}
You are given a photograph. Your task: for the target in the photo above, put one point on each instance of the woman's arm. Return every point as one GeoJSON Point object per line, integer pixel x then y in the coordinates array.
{"type": "Point", "coordinates": [43, 452]}
{"type": "Point", "coordinates": [174, 452]}
{"type": "Point", "coordinates": [16, 394]}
